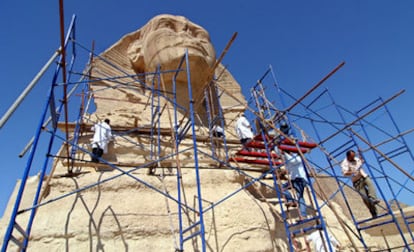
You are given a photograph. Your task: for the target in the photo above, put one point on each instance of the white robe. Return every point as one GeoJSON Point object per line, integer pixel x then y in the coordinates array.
{"type": "Point", "coordinates": [102, 136]}
{"type": "Point", "coordinates": [217, 129]}
{"type": "Point", "coordinates": [243, 129]}
{"type": "Point", "coordinates": [318, 246]}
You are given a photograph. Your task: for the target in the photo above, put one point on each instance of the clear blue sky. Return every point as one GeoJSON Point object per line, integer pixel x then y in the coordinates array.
{"type": "Point", "coordinates": [302, 40]}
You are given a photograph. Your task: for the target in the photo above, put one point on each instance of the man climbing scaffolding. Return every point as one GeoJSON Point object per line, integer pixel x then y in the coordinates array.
{"type": "Point", "coordinates": [352, 166]}
{"type": "Point", "coordinates": [298, 179]}
{"type": "Point", "coordinates": [101, 138]}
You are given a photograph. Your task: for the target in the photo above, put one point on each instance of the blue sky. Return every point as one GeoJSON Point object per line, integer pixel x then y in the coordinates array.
{"type": "Point", "coordinates": [302, 40]}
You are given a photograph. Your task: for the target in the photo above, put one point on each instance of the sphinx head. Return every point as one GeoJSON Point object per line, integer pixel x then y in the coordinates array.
{"type": "Point", "coordinates": [163, 41]}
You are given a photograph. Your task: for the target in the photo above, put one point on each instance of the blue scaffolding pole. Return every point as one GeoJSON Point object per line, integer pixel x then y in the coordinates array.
{"type": "Point", "coordinates": [13, 225]}
{"type": "Point", "coordinates": [200, 222]}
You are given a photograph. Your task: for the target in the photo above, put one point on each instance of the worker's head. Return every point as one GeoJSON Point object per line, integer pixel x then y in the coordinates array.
{"type": "Point", "coordinates": [107, 121]}
{"type": "Point", "coordinates": [350, 155]}
{"type": "Point", "coordinates": [284, 127]}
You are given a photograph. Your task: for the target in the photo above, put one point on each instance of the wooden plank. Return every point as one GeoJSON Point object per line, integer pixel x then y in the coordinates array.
{"type": "Point", "coordinates": [167, 163]}
{"type": "Point", "coordinates": [144, 130]}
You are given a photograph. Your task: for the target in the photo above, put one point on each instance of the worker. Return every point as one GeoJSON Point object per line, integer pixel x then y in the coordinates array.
{"type": "Point", "coordinates": [244, 131]}
{"type": "Point", "coordinates": [352, 166]}
{"type": "Point", "coordinates": [322, 245]}
{"type": "Point", "coordinates": [217, 131]}
{"type": "Point", "coordinates": [101, 138]}
{"type": "Point", "coordinates": [284, 128]}
{"type": "Point", "coordinates": [296, 169]}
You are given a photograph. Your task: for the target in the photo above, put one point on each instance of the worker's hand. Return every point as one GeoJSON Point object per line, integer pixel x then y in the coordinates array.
{"type": "Point", "coordinates": [349, 173]}
{"type": "Point", "coordinates": [282, 171]}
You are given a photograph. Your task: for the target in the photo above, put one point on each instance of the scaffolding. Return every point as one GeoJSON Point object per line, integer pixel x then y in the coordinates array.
{"type": "Point", "coordinates": [279, 128]}
{"type": "Point", "coordinates": [350, 131]}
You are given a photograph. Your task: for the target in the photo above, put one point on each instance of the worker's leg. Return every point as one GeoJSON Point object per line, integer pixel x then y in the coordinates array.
{"type": "Point", "coordinates": [299, 184]}
{"type": "Point", "coordinates": [94, 156]}
{"type": "Point", "coordinates": [245, 142]}
{"type": "Point", "coordinates": [372, 194]}
{"type": "Point", "coordinates": [100, 152]}
{"type": "Point", "coordinates": [288, 196]}
{"type": "Point", "coordinates": [360, 186]}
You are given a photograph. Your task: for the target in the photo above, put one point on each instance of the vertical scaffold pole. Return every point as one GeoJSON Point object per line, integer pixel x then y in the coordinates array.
{"type": "Point", "coordinates": [401, 136]}
{"type": "Point", "coordinates": [192, 112]}
{"type": "Point", "coordinates": [176, 142]}
{"type": "Point", "coordinates": [211, 122]}
{"type": "Point", "coordinates": [221, 116]}
{"type": "Point", "coordinates": [19, 196]}
{"type": "Point", "coordinates": [15, 211]}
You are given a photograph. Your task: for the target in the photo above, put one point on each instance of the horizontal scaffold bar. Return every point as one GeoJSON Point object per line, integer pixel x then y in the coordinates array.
{"type": "Point", "coordinates": [146, 130]}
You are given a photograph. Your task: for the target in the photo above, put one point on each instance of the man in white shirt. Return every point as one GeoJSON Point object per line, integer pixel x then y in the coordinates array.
{"type": "Point", "coordinates": [217, 131]}
{"type": "Point", "coordinates": [294, 166]}
{"type": "Point", "coordinates": [352, 166]}
{"type": "Point", "coordinates": [244, 131]}
{"type": "Point", "coordinates": [318, 242]}
{"type": "Point", "coordinates": [101, 138]}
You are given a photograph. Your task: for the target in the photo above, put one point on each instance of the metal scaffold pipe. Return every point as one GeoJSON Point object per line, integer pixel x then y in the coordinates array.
{"type": "Point", "coordinates": [26, 91]}
{"type": "Point", "coordinates": [46, 123]}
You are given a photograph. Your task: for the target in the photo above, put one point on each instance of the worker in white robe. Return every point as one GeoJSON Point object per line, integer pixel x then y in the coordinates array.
{"type": "Point", "coordinates": [244, 131]}
{"type": "Point", "coordinates": [322, 245]}
{"type": "Point", "coordinates": [101, 138]}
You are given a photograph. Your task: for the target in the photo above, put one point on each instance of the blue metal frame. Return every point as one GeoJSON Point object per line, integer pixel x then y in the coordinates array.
{"type": "Point", "coordinates": [374, 179]}
{"type": "Point", "coordinates": [261, 102]}
{"type": "Point", "coordinates": [192, 113]}
{"type": "Point", "coordinates": [382, 169]}
{"type": "Point", "coordinates": [15, 211]}
{"type": "Point", "coordinates": [359, 122]}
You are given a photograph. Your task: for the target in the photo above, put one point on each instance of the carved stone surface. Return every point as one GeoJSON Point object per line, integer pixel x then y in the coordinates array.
{"type": "Point", "coordinates": [163, 41]}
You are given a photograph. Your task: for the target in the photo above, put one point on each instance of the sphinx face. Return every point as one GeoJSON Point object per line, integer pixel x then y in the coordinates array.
{"type": "Point", "coordinates": [163, 41]}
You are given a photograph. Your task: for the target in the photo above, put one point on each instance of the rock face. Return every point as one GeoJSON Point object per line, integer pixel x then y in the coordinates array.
{"type": "Point", "coordinates": [124, 208]}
